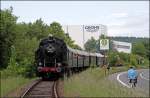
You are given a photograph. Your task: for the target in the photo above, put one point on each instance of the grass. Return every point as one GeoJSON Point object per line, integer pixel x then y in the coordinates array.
{"type": "Point", "coordinates": [11, 83]}
{"type": "Point", "coordinates": [92, 83]}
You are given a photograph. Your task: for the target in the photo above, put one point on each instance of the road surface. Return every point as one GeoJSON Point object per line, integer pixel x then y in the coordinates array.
{"type": "Point", "coordinates": [143, 79]}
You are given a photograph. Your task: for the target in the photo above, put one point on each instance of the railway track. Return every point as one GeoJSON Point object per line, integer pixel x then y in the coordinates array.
{"type": "Point", "coordinates": [42, 89]}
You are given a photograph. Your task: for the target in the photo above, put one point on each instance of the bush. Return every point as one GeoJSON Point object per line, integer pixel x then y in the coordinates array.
{"type": "Point", "coordinates": [133, 60]}
{"type": "Point", "coordinates": [30, 71]}
{"type": "Point", "coordinates": [24, 68]}
{"type": "Point", "coordinates": [112, 58]}
{"type": "Point", "coordinates": [116, 58]}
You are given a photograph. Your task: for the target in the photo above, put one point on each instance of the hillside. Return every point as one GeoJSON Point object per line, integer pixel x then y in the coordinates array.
{"type": "Point", "coordinates": [130, 39]}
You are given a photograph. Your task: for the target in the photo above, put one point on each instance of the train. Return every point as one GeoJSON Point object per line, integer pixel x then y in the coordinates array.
{"type": "Point", "coordinates": [54, 58]}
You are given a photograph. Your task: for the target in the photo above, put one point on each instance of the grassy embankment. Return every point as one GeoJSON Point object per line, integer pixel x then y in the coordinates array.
{"type": "Point", "coordinates": [11, 83]}
{"type": "Point", "coordinates": [92, 83]}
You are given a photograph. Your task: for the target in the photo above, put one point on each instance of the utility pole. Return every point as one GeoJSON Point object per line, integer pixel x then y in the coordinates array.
{"type": "Point", "coordinates": [83, 37]}
{"type": "Point", "coordinates": [129, 42]}
{"type": "Point", "coordinates": [67, 29]}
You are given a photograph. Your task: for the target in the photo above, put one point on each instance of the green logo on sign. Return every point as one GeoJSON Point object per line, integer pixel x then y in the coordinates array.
{"type": "Point", "coordinates": [103, 42]}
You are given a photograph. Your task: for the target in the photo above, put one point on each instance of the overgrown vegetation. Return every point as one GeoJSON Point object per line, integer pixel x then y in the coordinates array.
{"type": "Point", "coordinates": [12, 83]}
{"type": "Point", "coordinates": [92, 83]}
{"type": "Point", "coordinates": [19, 41]}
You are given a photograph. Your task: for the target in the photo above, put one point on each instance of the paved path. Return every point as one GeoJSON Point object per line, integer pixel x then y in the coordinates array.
{"type": "Point", "coordinates": [143, 79]}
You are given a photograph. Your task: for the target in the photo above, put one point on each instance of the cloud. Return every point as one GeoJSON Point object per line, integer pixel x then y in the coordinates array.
{"type": "Point", "coordinates": [120, 15]}
{"type": "Point", "coordinates": [115, 24]}
{"type": "Point", "coordinates": [129, 25]}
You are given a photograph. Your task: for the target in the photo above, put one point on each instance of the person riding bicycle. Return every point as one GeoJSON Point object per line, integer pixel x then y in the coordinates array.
{"type": "Point", "coordinates": [132, 75]}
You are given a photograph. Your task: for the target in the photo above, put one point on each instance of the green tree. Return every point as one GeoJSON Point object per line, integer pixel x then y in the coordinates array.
{"type": "Point", "coordinates": [112, 58]}
{"type": "Point", "coordinates": [124, 56]}
{"type": "Point", "coordinates": [147, 47]}
{"type": "Point", "coordinates": [56, 30]}
{"type": "Point", "coordinates": [7, 25]}
{"type": "Point", "coordinates": [90, 45]}
{"type": "Point", "coordinates": [37, 29]}
{"type": "Point", "coordinates": [133, 60]}
{"type": "Point", "coordinates": [139, 49]}
{"type": "Point", "coordinates": [25, 47]}
{"type": "Point", "coordinates": [12, 61]}
{"type": "Point", "coordinates": [102, 36]}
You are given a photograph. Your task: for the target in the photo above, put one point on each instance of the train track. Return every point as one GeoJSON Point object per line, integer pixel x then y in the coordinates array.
{"type": "Point", "coordinates": [42, 89]}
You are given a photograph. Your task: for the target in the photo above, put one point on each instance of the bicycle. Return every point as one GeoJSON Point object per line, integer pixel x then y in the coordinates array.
{"type": "Point", "coordinates": [132, 82]}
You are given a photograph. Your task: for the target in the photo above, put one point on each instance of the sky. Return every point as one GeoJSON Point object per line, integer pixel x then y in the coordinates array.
{"type": "Point", "coordinates": [122, 18]}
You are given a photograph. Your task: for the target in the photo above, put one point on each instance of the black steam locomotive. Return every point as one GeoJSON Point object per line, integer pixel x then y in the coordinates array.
{"type": "Point", "coordinates": [54, 57]}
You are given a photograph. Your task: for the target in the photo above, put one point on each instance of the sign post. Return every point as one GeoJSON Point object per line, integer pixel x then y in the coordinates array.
{"type": "Point", "coordinates": [104, 46]}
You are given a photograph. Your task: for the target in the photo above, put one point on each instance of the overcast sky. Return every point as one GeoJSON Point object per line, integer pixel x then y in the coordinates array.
{"type": "Point", "coordinates": [123, 18]}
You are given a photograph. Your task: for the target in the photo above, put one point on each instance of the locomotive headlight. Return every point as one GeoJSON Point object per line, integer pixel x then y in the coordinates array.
{"type": "Point", "coordinates": [58, 64]}
{"type": "Point", "coordinates": [40, 63]}
{"type": "Point", "coordinates": [50, 49]}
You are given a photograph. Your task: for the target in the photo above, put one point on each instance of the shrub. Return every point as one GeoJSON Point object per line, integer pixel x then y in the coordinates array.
{"type": "Point", "coordinates": [112, 58]}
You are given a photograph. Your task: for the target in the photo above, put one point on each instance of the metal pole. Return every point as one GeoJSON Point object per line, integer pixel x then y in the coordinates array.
{"type": "Point", "coordinates": [67, 29]}
{"type": "Point", "coordinates": [83, 38]}
{"type": "Point", "coordinates": [44, 62]}
{"type": "Point", "coordinates": [104, 58]}
{"type": "Point", "coordinates": [129, 42]}
{"type": "Point", "coordinates": [104, 63]}
{"type": "Point", "coordinates": [55, 62]}
{"type": "Point", "coordinates": [99, 40]}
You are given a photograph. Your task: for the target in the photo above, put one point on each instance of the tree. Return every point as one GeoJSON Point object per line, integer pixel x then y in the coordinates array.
{"type": "Point", "coordinates": [25, 45]}
{"type": "Point", "coordinates": [139, 49]}
{"type": "Point", "coordinates": [56, 30]}
{"type": "Point", "coordinates": [133, 60]}
{"type": "Point", "coordinates": [90, 45]}
{"type": "Point", "coordinates": [7, 25]}
{"type": "Point", "coordinates": [147, 47]}
{"type": "Point", "coordinates": [103, 36]}
{"type": "Point", "coordinates": [112, 58]}
{"type": "Point", "coordinates": [37, 29]}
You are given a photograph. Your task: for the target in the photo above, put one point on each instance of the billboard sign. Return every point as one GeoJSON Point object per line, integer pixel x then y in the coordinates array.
{"type": "Point", "coordinates": [104, 44]}
{"type": "Point", "coordinates": [122, 46]}
{"type": "Point", "coordinates": [92, 28]}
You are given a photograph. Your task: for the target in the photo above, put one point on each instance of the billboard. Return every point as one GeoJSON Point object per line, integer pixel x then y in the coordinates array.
{"type": "Point", "coordinates": [122, 46]}
{"type": "Point", "coordinates": [104, 44]}
{"type": "Point", "coordinates": [91, 28]}
{"type": "Point", "coordinates": [94, 30]}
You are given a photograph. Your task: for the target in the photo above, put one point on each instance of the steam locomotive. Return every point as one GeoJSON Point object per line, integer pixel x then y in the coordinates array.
{"type": "Point", "coordinates": [54, 57]}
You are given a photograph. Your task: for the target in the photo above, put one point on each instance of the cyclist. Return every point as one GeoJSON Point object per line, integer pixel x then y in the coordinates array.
{"type": "Point", "coordinates": [132, 76]}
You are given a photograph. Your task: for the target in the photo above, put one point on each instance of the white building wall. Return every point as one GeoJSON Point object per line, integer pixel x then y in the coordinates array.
{"type": "Point", "coordinates": [81, 33]}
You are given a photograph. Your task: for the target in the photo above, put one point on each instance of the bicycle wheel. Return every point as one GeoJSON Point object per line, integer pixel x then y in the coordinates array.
{"type": "Point", "coordinates": [132, 85]}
